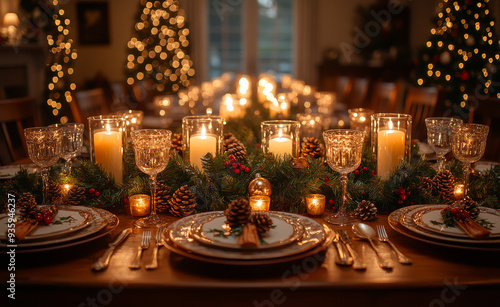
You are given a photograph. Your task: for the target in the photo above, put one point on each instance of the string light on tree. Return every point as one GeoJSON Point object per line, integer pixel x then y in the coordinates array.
{"type": "Point", "coordinates": [462, 53]}
{"type": "Point", "coordinates": [159, 49]}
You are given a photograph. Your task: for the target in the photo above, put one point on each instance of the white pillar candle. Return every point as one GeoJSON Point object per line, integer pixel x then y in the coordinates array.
{"type": "Point", "coordinates": [200, 145]}
{"type": "Point", "coordinates": [280, 145]}
{"type": "Point", "coordinates": [391, 148]}
{"type": "Point", "coordinates": [108, 151]}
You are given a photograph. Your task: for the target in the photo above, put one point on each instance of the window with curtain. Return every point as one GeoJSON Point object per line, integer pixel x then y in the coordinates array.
{"type": "Point", "coordinates": [236, 26]}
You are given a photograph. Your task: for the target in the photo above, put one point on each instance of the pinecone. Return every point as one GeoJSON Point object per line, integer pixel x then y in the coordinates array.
{"type": "Point", "coordinates": [26, 204]}
{"type": "Point", "coordinates": [176, 144]}
{"type": "Point", "coordinates": [238, 212]}
{"type": "Point", "coordinates": [234, 147]}
{"type": "Point", "coordinates": [54, 191]}
{"type": "Point", "coordinates": [75, 196]}
{"type": "Point", "coordinates": [182, 203]}
{"type": "Point", "coordinates": [162, 198]}
{"type": "Point", "coordinates": [469, 205]}
{"type": "Point", "coordinates": [299, 164]}
{"type": "Point", "coordinates": [426, 183]}
{"type": "Point", "coordinates": [366, 211]}
{"type": "Point", "coordinates": [311, 147]}
{"type": "Point", "coordinates": [262, 221]}
{"type": "Point", "coordinates": [443, 185]}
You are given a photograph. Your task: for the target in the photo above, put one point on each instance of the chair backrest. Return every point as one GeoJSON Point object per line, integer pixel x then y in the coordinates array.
{"type": "Point", "coordinates": [420, 103]}
{"type": "Point", "coordinates": [487, 112]}
{"type": "Point", "coordinates": [15, 115]}
{"type": "Point", "coordinates": [343, 88]}
{"type": "Point", "coordinates": [358, 92]}
{"type": "Point", "coordinates": [89, 103]}
{"type": "Point", "coordinates": [384, 97]}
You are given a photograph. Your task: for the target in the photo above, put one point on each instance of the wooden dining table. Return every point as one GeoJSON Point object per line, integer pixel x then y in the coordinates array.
{"type": "Point", "coordinates": [439, 276]}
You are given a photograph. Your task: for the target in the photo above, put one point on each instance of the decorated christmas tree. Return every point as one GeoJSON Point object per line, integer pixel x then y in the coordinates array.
{"type": "Point", "coordinates": [159, 48]}
{"type": "Point", "coordinates": [47, 17]}
{"type": "Point", "coordinates": [462, 54]}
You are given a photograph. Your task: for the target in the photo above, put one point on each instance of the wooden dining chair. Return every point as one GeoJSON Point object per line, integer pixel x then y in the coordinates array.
{"type": "Point", "coordinates": [15, 115]}
{"type": "Point", "coordinates": [487, 112]}
{"type": "Point", "coordinates": [89, 103]}
{"type": "Point", "coordinates": [384, 97]}
{"type": "Point", "coordinates": [420, 103]}
{"type": "Point", "coordinates": [358, 92]}
{"type": "Point", "coordinates": [343, 85]}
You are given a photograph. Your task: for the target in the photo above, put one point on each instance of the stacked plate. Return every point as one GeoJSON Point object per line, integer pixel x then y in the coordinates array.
{"type": "Point", "coordinates": [71, 226]}
{"type": "Point", "coordinates": [424, 223]}
{"type": "Point", "coordinates": [203, 237]}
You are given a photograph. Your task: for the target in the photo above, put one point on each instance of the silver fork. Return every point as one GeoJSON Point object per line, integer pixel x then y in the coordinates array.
{"type": "Point", "coordinates": [146, 238]}
{"type": "Point", "coordinates": [159, 243]}
{"type": "Point", "coordinates": [382, 237]}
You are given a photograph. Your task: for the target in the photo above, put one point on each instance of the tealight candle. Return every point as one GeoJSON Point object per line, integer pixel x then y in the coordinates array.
{"type": "Point", "coordinates": [139, 204]}
{"type": "Point", "coordinates": [201, 135]}
{"type": "Point", "coordinates": [201, 144]}
{"type": "Point", "coordinates": [280, 137]}
{"type": "Point", "coordinates": [280, 145]}
{"type": "Point", "coordinates": [260, 203]}
{"type": "Point", "coordinates": [315, 204]}
{"type": "Point", "coordinates": [458, 191]}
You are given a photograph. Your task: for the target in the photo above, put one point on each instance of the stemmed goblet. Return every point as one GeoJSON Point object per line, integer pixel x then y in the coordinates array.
{"type": "Point", "coordinates": [71, 143]}
{"type": "Point", "coordinates": [344, 149]}
{"type": "Point", "coordinates": [439, 136]}
{"type": "Point", "coordinates": [469, 143]}
{"type": "Point", "coordinates": [44, 149]}
{"type": "Point", "coordinates": [152, 152]}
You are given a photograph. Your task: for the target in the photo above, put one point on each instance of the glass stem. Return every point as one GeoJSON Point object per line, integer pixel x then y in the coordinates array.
{"type": "Point", "coordinates": [67, 167]}
{"type": "Point", "coordinates": [441, 160]}
{"type": "Point", "coordinates": [152, 185]}
{"type": "Point", "coordinates": [343, 182]}
{"type": "Point", "coordinates": [45, 181]}
{"type": "Point", "coordinates": [467, 170]}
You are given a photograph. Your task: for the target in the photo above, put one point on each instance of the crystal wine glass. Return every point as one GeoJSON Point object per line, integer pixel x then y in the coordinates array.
{"type": "Point", "coordinates": [152, 152]}
{"type": "Point", "coordinates": [44, 149]}
{"type": "Point", "coordinates": [344, 149]}
{"type": "Point", "coordinates": [439, 136]}
{"type": "Point", "coordinates": [469, 143]}
{"type": "Point", "coordinates": [71, 143]}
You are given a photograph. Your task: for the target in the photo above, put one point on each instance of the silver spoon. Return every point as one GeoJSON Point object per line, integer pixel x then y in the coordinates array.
{"type": "Point", "coordinates": [365, 231]}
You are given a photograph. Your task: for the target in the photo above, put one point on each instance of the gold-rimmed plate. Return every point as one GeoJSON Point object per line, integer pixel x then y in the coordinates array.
{"type": "Point", "coordinates": [179, 233]}
{"type": "Point", "coordinates": [285, 231]}
{"type": "Point", "coordinates": [429, 218]}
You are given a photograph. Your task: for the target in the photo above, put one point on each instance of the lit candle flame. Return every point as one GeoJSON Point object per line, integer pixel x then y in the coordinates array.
{"type": "Point", "coordinates": [362, 118]}
{"type": "Point", "coordinates": [108, 129]}
{"type": "Point", "coordinates": [280, 134]}
{"type": "Point", "coordinates": [203, 130]}
{"type": "Point", "coordinates": [390, 125]}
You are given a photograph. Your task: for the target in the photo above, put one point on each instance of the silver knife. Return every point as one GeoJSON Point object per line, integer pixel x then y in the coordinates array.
{"type": "Point", "coordinates": [344, 257]}
{"type": "Point", "coordinates": [103, 261]}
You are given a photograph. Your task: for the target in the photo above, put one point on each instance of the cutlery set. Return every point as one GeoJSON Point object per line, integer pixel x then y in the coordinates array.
{"type": "Point", "coordinates": [347, 256]}
{"type": "Point", "coordinates": [103, 262]}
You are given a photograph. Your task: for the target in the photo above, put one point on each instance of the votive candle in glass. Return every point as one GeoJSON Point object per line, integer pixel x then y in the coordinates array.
{"type": "Point", "coordinates": [260, 202]}
{"type": "Point", "coordinates": [281, 137]}
{"type": "Point", "coordinates": [107, 133]}
{"type": "Point", "coordinates": [139, 204]}
{"type": "Point", "coordinates": [201, 135]}
{"type": "Point", "coordinates": [459, 191]}
{"type": "Point", "coordinates": [390, 141]}
{"type": "Point", "coordinates": [360, 119]}
{"type": "Point", "coordinates": [315, 204]}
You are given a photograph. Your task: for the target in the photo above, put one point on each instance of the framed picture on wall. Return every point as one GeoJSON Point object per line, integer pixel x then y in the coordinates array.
{"type": "Point", "coordinates": [93, 23]}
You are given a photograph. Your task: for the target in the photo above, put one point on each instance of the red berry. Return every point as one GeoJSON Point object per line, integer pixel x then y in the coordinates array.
{"type": "Point", "coordinates": [46, 214]}
{"type": "Point", "coordinates": [247, 170]}
{"type": "Point", "coordinates": [402, 196]}
{"type": "Point", "coordinates": [231, 157]}
{"type": "Point", "coordinates": [400, 202]}
{"type": "Point", "coordinates": [47, 220]}
{"type": "Point", "coordinates": [226, 163]}
{"type": "Point", "coordinates": [356, 173]}
{"type": "Point", "coordinates": [92, 191]}
{"type": "Point", "coordinates": [359, 168]}
{"type": "Point", "coordinates": [97, 194]}
{"type": "Point", "coordinates": [465, 214]}
{"type": "Point", "coordinates": [408, 193]}
{"type": "Point", "coordinates": [446, 209]}
{"type": "Point", "coordinates": [454, 211]}
{"type": "Point", "coordinates": [39, 217]}
{"type": "Point", "coordinates": [365, 169]}
{"type": "Point", "coordinates": [334, 208]}
{"type": "Point", "coordinates": [373, 173]}
{"type": "Point", "coordinates": [125, 200]}
{"type": "Point", "coordinates": [236, 171]}
{"type": "Point", "coordinates": [240, 164]}
{"type": "Point", "coordinates": [242, 167]}
{"type": "Point", "coordinates": [258, 145]}
{"type": "Point", "coordinates": [235, 165]}
{"type": "Point", "coordinates": [327, 179]}
{"type": "Point", "coordinates": [331, 201]}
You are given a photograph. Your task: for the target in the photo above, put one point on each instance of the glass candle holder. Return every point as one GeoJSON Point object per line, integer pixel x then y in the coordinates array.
{"type": "Point", "coordinates": [133, 121]}
{"type": "Point", "coordinates": [139, 204]}
{"type": "Point", "coordinates": [279, 106]}
{"type": "Point", "coordinates": [311, 125]}
{"type": "Point", "coordinates": [459, 191]}
{"type": "Point", "coordinates": [315, 204]}
{"type": "Point", "coordinates": [230, 107]}
{"type": "Point", "coordinates": [107, 137]}
{"type": "Point", "coordinates": [360, 119]}
{"type": "Point", "coordinates": [390, 141]}
{"type": "Point", "coordinates": [260, 203]}
{"type": "Point", "coordinates": [201, 135]}
{"type": "Point", "coordinates": [281, 137]}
